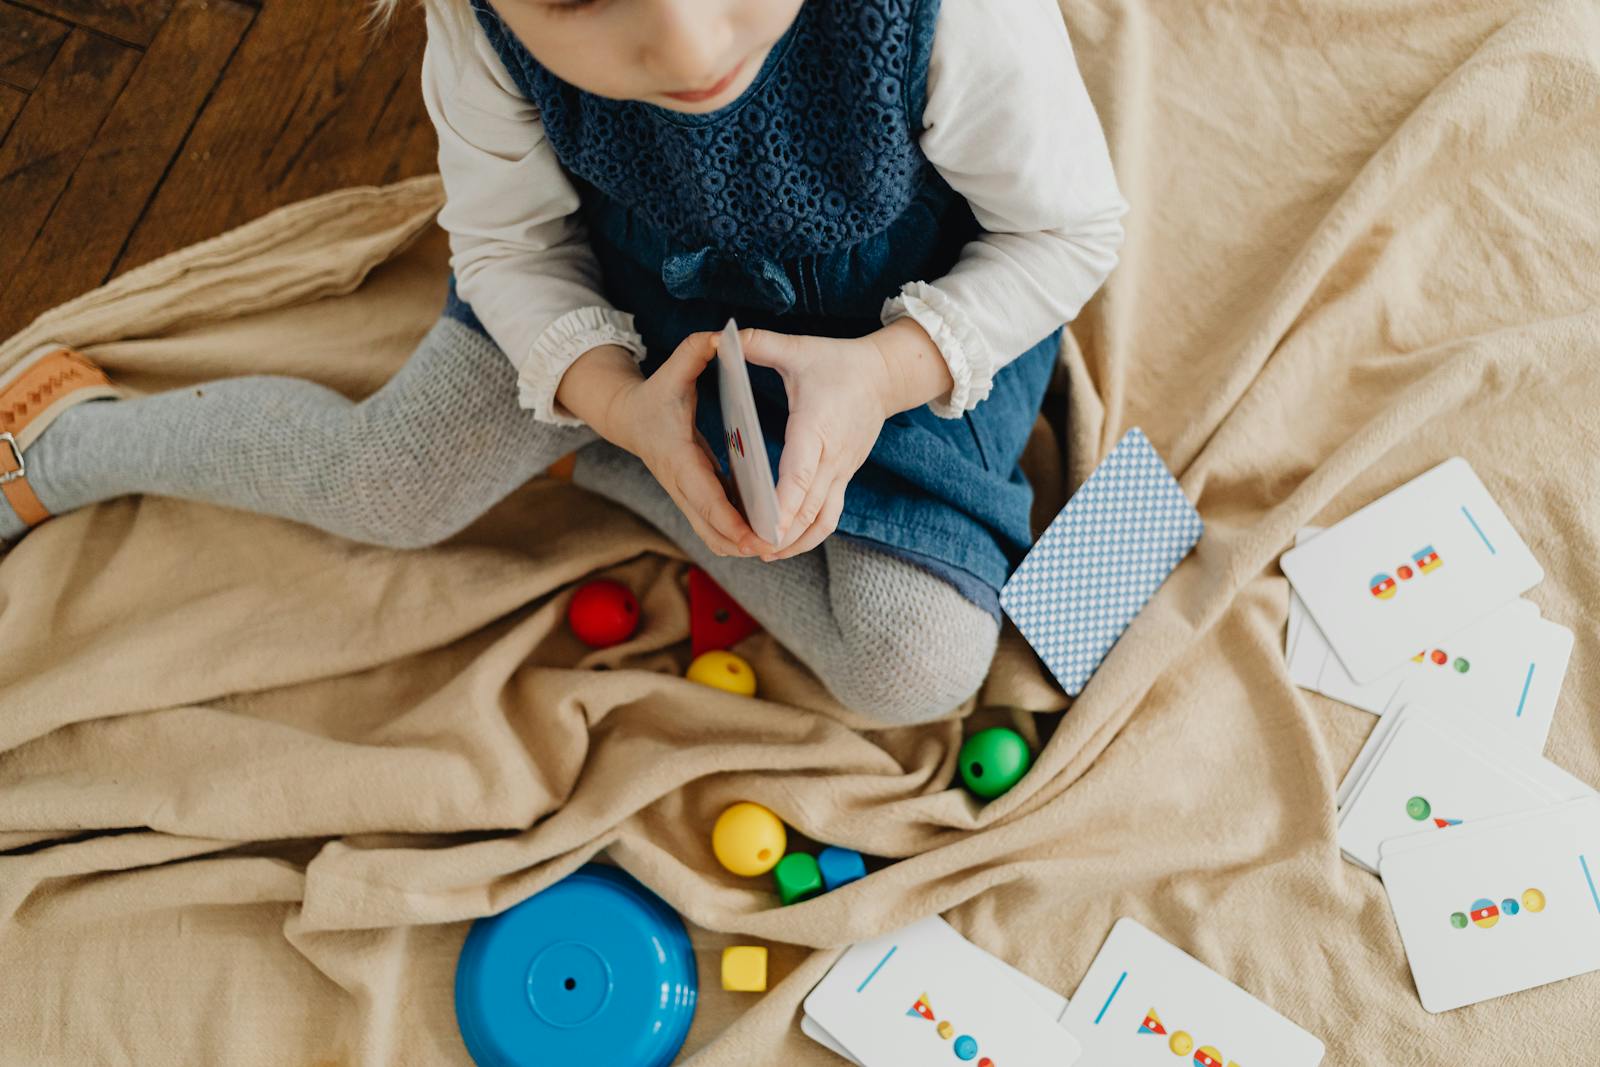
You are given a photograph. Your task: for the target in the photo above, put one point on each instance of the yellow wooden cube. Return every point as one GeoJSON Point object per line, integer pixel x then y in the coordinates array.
{"type": "Point", "coordinates": [744, 968]}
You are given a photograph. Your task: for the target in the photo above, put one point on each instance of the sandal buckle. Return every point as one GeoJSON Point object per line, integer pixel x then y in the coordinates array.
{"type": "Point", "coordinates": [16, 453]}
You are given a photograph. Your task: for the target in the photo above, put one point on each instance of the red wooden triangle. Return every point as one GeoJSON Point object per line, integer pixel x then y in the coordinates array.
{"type": "Point", "coordinates": [716, 621]}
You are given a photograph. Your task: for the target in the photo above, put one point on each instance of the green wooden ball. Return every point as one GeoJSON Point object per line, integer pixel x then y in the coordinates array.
{"type": "Point", "coordinates": [993, 761]}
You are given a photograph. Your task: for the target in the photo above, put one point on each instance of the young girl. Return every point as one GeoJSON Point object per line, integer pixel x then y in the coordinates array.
{"type": "Point", "coordinates": [901, 201]}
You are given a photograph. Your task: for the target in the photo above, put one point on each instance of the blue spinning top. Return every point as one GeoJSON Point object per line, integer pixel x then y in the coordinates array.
{"type": "Point", "coordinates": [596, 969]}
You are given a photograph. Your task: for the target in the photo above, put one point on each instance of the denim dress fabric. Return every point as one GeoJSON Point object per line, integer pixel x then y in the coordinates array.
{"type": "Point", "coordinates": [801, 207]}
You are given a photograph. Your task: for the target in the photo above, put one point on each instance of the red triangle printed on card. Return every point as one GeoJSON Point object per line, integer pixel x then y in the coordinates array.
{"type": "Point", "coordinates": [716, 621]}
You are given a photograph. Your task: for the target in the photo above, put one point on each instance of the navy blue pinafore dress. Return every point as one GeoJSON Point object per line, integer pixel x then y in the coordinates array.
{"type": "Point", "coordinates": [800, 207]}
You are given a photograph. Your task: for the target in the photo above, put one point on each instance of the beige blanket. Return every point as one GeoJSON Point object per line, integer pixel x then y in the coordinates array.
{"type": "Point", "coordinates": [255, 781]}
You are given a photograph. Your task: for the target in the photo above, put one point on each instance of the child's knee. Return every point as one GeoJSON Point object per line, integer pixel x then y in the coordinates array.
{"type": "Point", "coordinates": [902, 672]}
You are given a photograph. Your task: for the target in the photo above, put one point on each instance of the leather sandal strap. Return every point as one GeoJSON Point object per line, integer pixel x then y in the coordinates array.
{"type": "Point", "coordinates": [18, 493]}
{"type": "Point", "coordinates": [30, 400]}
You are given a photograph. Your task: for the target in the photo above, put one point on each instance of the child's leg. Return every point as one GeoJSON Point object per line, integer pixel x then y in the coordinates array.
{"type": "Point", "coordinates": [408, 466]}
{"type": "Point", "coordinates": [888, 639]}
{"type": "Point", "coordinates": [443, 441]}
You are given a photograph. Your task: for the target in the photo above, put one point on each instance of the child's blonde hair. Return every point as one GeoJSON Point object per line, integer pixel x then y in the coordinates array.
{"type": "Point", "coordinates": [381, 12]}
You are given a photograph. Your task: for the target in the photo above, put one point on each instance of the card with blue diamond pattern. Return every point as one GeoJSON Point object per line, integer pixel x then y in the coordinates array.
{"type": "Point", "coordinates": [1100, 560]}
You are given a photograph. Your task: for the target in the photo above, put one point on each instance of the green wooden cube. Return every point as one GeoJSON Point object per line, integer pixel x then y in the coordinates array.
{"type": "Point", "coordinates": [798, 877]}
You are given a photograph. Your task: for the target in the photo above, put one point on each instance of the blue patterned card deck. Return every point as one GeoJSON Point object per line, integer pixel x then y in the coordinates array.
{"type": "Point", "coordinates": [1093, 569]}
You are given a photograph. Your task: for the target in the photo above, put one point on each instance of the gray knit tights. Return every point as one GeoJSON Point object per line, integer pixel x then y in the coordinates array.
{"type": "Point", "coordinates": [442, 442]}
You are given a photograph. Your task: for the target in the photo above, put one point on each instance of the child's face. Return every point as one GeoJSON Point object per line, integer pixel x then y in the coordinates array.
{"type": "Point", "coordinates": [686, 55]}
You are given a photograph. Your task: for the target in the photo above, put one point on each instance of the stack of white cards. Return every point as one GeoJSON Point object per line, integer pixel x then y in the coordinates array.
{"type": "Point", "coordinates": [925, 994]}
{"type": "Point", "coordinates": [1420, 772]}
{"type": "Point", "coordinates": [755, 494]}
{"type": "Point", "coordinates": [1487, 850]}
{"type": "Point", "coordinates": [1415, 599]}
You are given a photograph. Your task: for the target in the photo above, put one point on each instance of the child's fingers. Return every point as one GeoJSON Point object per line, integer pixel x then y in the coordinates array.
{"type": "Point", "coordinates": [826, 522]}
{"type": "Point", "coordinates": [810, 508]}
{"type": "Point", "coordinates": [767, 348]}
{"type": "Point", "coordinates": [707, 500]}
{"type": "Point", "coordinates": [797, 476]}
{"type": "Point", "coordinates": [713, 540]}
{"type": "Point", "coordinates": [691, 357]}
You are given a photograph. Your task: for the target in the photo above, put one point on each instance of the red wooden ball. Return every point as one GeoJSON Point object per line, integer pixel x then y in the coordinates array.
{"type": "Point", "coordinates": [603, 613]}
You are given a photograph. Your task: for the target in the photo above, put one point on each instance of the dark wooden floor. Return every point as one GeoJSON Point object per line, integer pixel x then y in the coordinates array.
{"type": "Point", "coordinates": [130, 128]}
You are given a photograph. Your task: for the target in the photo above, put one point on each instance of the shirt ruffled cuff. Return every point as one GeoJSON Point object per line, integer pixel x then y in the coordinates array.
{"type": "Point", "coordinates": [559, 346]}
{"type": "Point", "coordinates": [968, 356]}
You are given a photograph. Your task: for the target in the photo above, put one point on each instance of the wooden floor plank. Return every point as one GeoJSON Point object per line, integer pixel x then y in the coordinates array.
{"type": "Point", "coordinates": [11, 101]}
{"type": "Point", "coordinates": [310, 103]}
{"type": "Point", "coordinates": [28, 42]}
{"type": "Point", "coordinates": [133, 21]}
{"type": "Point", "coordinates": [123, 166]}
{"type": "Point", "coordinates": [51, 134]}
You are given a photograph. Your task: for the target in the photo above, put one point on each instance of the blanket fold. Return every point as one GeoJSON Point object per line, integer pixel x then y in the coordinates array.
{"type": "Point", "coordinates": [255, 781]}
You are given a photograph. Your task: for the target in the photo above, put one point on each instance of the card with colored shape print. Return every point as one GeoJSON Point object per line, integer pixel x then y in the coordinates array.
{"type": "Point", "coordinates": [1100, 560]}
{"type": "Point", "coordinates": [1145, 1003]}
{"type": "Point", "coordinates": [1479, 654]}
{"type": "Point", "coordinates": [1509, 666]}
{"type": "Point", "coordinates": [1493, 745]}
{"type": "Point", "coordinates": [1508, 908]}
{"type": "Point", "coordinates": [1053, 1003]}
{"type": "Point", "coordinates": [1564, 788]}
{"type": "Point", "coordinates": [1560, 786]}
{"type": "Point", "coordinates": [747, 447]}
{"type": "Point", "coordinates": [1411, 569]}
{"type": "Point", "coordinates": [1509, 677]}
{"type": "Point", "coordinates": [925, 994]}
{"type": "Point", "coordinates": [1427, 781]}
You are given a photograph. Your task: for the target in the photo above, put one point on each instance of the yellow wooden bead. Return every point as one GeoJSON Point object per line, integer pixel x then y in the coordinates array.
{"type": "Point", "coordinates": [744, 968]}
{"type": "Point", "coordinates": [748, 839]}
{"type": "Point", "coordinates": [723, 670]}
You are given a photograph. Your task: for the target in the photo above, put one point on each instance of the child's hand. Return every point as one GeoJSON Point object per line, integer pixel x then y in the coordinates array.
{"type": "Point", "coordinates": [840, 393]}
{"type": "Point", "coordinates": [654, 419]}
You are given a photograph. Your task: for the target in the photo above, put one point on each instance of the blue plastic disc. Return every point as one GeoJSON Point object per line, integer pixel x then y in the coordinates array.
{"type": "Point", "coordinates": [594, 970]}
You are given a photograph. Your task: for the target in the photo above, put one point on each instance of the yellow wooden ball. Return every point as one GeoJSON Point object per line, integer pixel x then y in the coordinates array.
{"type": "Point", "coordinates": [723, 670]}
{"type": "Point", "coordinates": [748, 839]}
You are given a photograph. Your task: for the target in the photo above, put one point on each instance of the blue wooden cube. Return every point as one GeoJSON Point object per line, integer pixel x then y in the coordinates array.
{"type": "Point", "coordinates": [840, 866]}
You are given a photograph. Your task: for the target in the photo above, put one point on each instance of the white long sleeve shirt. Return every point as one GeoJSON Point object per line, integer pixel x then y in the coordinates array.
{"type": "Point", "coordinates": [1007, 123]}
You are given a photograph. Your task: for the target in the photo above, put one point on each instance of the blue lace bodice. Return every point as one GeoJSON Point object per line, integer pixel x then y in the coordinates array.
{"type": "Point", "coordinates": [801, 207]}
{"type": "Point", "coordinates": [819, 153]}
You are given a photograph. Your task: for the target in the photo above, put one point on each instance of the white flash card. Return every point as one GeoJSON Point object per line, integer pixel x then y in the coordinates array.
{"type": "Point", "coordinates": [747, 446]}
{"type": "Point", "coordinates": [1410, 569]}
{"type": "Point", "coordinates": [1512, 906]}
{"type": "Point", "coordinates": [1144, 1002]}
{"type": "Point", "coordinates": [925, 990]}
